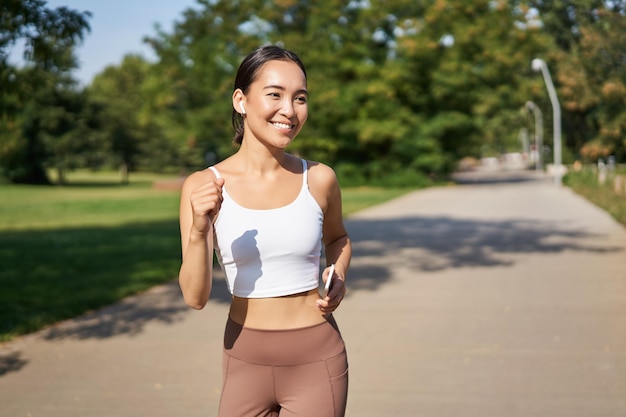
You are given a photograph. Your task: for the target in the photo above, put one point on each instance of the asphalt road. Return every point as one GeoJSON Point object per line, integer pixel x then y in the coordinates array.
{"type": "Point", "coordinates": [499, 297]}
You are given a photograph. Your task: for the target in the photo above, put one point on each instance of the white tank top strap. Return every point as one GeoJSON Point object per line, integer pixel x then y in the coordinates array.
{"type": "Point", "coordinates": [215, 171]}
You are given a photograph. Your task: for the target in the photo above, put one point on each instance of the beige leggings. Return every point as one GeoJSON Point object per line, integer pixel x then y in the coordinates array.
{"type": "Point", "coordinates": [295, 372]}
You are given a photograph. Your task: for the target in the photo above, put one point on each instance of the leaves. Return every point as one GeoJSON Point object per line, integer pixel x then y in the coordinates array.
{"type": "Point", "coordinates": [398, 88]}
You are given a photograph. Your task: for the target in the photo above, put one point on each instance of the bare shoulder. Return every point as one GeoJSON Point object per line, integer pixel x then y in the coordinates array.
{"type": "Point", "coordinates": [323, 183]}
{"type": "Point", "coordinates": [198, 178]}
{"type": "Point", "coordinates": [321, 174]}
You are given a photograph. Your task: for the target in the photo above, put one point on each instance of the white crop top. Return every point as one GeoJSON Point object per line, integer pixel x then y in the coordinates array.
{"type": "Point", "coordinates": [270, 253]}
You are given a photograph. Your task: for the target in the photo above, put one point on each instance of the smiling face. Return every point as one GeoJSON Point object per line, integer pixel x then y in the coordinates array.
{"type": "Point", "coordinates": [275, 104]}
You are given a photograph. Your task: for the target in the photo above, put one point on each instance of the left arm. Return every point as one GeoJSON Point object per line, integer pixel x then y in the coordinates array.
{"type": "Point", "coordinates": [337, 245]}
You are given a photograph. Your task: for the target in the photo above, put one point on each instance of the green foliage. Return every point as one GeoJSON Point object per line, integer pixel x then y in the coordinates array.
{"type": "Point", "coordinates": [350, 174]}
{"type": "Point", "coordinates": [38, 104]}
{"type": "Point", "coordinates": [49, 35]}
{"type": "Point", "coordinates": [131, 132]}
{"type": "Point", "coordinates": [590, 72]}
{"type": "Point", "coordinates": [400, 90]}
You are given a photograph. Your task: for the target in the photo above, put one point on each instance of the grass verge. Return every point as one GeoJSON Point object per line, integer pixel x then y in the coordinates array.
{"type": "Point", "coordinates": [358, 198]}
{"type": "Point", "coordinates": [585, 183]}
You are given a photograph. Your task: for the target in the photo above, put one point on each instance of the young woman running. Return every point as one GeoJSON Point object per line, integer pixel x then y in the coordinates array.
{"type": "Point", "coordinates": [266, 214]}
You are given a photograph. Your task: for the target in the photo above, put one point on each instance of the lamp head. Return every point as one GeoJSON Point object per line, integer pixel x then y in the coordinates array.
{"type": "Point", "coordinates": [537, 64]}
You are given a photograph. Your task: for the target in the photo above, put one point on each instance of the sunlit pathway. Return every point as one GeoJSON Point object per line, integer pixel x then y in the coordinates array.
{"type": "Point", "coordinates": [492, 300]}
{"type": "Point", "coordinates": [489, 301]}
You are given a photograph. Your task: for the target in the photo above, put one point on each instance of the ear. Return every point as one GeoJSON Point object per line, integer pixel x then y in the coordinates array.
{"type": "Point", "coordinates": [238, 99]}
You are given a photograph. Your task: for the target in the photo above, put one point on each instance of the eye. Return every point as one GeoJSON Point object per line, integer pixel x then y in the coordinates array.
{"type": "Point", "coordinates": [301, 99]}
{"type": "Point", "coordinates": [274, 95]}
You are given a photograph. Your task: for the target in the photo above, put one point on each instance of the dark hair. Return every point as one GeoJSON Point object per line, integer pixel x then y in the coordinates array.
{"type": "Point", "coordinates": [248, 71]}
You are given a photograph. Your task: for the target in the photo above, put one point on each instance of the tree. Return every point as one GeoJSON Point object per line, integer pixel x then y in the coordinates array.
{"type": "Point", "coordinates": [593, 87]}
{"type": "Point", "coordinates": [388, 96]}
{"type": "Point", "coordinates": [463, 67]}
{"type": "Point", "coordinates": [400, 89]}
{"type": "Point", "coordinates": [49, 37]}
{"type": "Point", "coordinates": [126, 132]}
{"type": "Point", "coordinates": [192, 82]}
{"type": "Point", "coordinates": [590, 73]}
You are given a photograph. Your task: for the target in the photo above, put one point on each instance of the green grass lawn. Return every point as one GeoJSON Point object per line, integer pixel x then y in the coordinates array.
{"type": "Point", "coordinates": [67, 250]}
{"type": "Point", "coordinates": [355, 199]}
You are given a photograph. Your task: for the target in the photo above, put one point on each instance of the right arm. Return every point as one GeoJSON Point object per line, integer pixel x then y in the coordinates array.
{"type": "Point", "coordinates": [201, 199]}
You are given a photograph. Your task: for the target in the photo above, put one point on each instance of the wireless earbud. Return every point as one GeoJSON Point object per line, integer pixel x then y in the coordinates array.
{"type": "Point", "coordinates": [243, 110]}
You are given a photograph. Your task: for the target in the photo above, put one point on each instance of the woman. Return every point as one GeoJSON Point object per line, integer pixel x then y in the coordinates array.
{"type": "Point", "coordinates": [266, 213]}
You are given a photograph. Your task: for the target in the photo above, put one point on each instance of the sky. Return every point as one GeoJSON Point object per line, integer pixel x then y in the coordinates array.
{"type": "Point", "coordinates": [118, 27]}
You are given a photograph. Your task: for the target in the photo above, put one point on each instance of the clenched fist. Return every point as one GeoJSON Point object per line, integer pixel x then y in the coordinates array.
{"type": "Point", "coordinates": [206, 201]}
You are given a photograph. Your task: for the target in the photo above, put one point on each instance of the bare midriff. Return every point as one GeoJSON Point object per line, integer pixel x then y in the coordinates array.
{"type": "Point", "coordinates": [277, 313]}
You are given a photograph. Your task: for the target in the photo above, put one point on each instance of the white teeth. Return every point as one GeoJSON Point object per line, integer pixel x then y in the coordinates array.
{"type": "Point", "coordinates": [282, 125]}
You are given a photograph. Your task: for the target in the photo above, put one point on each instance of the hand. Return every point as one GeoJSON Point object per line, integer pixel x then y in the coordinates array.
{"type": "Point", "coordinates": [206, 201]}
{"type": "Point", "coordinates": [337, 292]}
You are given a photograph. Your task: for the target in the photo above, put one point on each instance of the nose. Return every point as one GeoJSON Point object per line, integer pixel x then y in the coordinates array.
{"type": "Point", "coordinates": [288, 109]}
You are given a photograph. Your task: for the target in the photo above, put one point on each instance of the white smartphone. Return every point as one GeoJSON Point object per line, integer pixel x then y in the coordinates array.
{"type": "Point", "coordinates": [331, 272]}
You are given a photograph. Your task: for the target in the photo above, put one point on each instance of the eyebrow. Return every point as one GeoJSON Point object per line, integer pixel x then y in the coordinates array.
{"type": "Point", "coordinates": [278, 87]}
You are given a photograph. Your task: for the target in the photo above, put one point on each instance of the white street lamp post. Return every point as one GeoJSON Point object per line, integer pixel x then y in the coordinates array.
{"type": "Point", "coordinates": [538, 133]}
{"type": "Point", "coordinates": [540, 65]}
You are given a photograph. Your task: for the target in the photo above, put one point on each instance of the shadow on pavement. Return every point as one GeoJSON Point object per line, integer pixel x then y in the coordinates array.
{"type": "Point", "coordinates": [163, 304]}
{"type": "Point", "coordinates": [435, 243]}
{"type": "Point", "coordinates": [438, 243]}
{"type": "Point", "coordinates": [11, 362]}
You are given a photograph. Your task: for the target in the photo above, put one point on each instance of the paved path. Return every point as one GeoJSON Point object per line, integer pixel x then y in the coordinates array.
{"type": "Point", "coordinates": [485, 300]}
